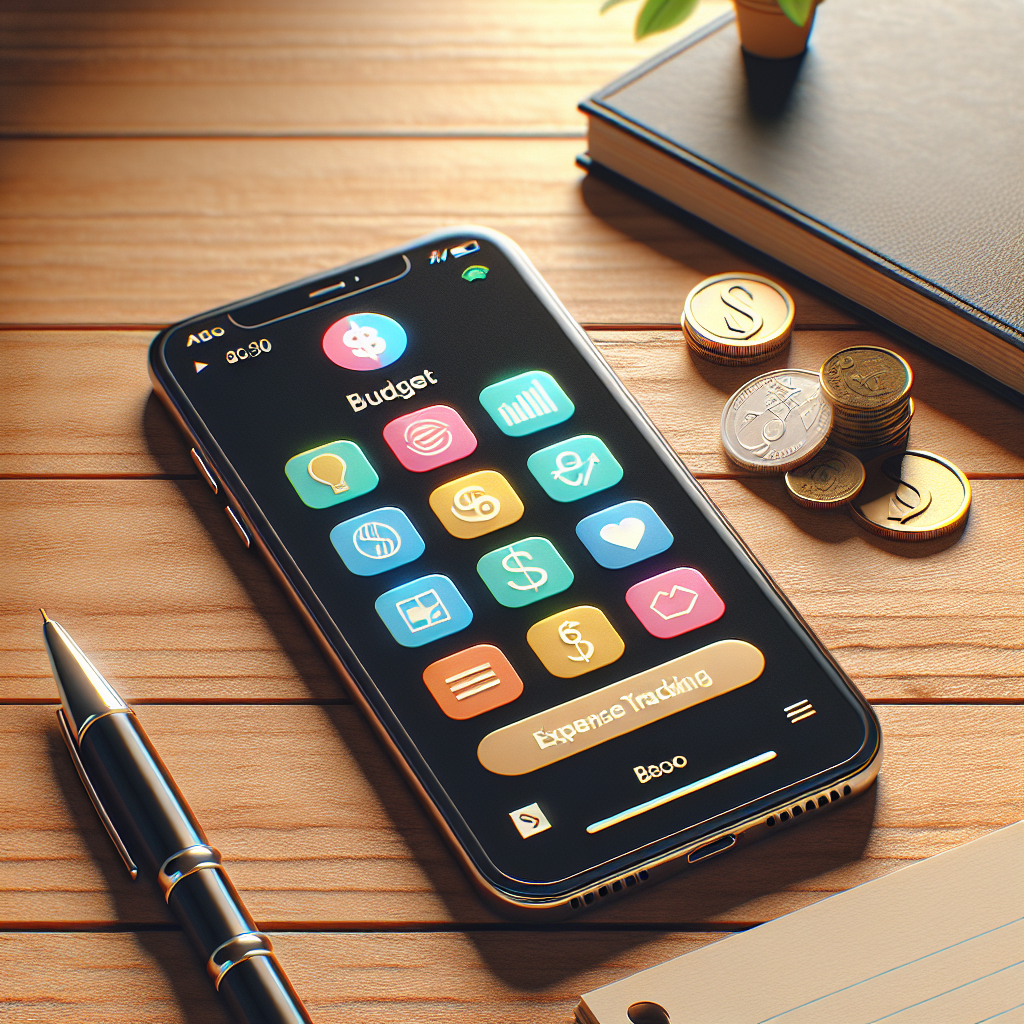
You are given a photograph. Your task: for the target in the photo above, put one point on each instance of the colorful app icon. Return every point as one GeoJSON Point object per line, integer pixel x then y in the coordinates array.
{"type": "Point", "coordinates": [429, 438]}
{"type": "Point", "coordinates": [576, 468]}
{"type": "Point", "coordinates": [575, 641]}
{"type": "Point", "coordinates": [624, 534]}
{"type": "Point", "coordinates": [473, 681]}
{"type": "Point", "coordinates": [365, 341]}
{"type": "Point", "coordinates": [674, 602]}
{"type": "Point", "coordinates": [476, 504]}
{"type": "Point", "coordinates": [331, 474]}
{"type": "Point", "coordinates": [377, 541]}
{"type": "Point", "coordinates": [424, 610]}
{"type": "Point", "coordinates": [526, 571]}
{"type": "Point", "coordinates": [527, 402]}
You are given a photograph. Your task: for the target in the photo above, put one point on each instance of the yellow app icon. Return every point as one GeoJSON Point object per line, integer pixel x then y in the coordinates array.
{"type": "Point", "coordinates": [575, 641]}
{"type": "Point", "coordinates": [476, 504]}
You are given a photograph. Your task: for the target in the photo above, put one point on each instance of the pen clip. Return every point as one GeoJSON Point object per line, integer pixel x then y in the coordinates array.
{"type": "Point", "coordinates": [69, 741]}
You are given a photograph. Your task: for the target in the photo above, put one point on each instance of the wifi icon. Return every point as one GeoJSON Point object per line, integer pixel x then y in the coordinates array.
{"type": "Point", "coordinates": [475, 273]}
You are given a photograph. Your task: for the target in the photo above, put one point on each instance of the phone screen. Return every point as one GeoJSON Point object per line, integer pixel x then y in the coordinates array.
{"type": "Point", "coordinates": [575, 656]}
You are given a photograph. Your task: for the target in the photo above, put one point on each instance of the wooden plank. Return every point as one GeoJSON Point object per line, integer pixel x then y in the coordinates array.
{"type": "Point", "coordinates": [148, 232]}
{"type": "Point", "coordinates": [152, 581]}
{"type": "Point", "coordinates": [318, 830]}
{"type": "Point", "coordinates": [509, 977]}
{"type": "Point", "coordinates": [313, 67]}
{"type": "Point", "coordinates": [115, 426]}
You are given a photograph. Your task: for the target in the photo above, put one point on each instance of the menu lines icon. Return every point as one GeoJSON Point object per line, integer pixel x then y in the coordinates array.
{"type": "Point", "coordinates": [799, 711]}
{"type": "Point", "coordinates": [482, 675]}
{"type": "Point", "coordinates": [528, 405]}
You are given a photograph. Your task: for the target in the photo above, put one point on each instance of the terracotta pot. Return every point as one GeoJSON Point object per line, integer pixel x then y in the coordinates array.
{"type": "Point", "coordinates": [766, 32]}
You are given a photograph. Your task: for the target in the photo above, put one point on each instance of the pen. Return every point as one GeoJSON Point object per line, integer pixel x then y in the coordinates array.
{"type": "Point", "coordinates": [152, 825]}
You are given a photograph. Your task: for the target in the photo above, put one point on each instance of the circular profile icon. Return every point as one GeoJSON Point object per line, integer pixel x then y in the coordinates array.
{"type": "Point", "coordinates": [365, 341]}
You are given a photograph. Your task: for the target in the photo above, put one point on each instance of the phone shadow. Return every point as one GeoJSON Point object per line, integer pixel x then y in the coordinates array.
{"type": "Point", "coordinates": [525, 957]}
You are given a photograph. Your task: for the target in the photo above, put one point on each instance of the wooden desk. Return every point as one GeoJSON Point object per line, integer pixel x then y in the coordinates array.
{"type": "Point", "coordinates": [163, 159]}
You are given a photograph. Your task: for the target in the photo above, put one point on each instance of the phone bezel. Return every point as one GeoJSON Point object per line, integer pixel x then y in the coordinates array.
{"type": "Point", "coordinates": [558, 897]}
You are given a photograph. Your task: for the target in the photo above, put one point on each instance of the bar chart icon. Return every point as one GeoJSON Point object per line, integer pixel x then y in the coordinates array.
{"type": "Point", "coordinates": [525, 403]}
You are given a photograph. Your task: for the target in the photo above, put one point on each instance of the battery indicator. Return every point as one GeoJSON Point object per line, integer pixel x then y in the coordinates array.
{"type": "Point", "coordinates": [465, 249]}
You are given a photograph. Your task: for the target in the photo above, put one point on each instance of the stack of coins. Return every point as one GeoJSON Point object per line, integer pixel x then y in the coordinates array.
{"type": "Point", "coordinates": [869, 390]}
{"type": "Point", "coordinates": [737, 319]}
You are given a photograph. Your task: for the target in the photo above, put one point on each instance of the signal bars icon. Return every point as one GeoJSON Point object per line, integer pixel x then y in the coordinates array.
{"type": "Point", "coordinates": [799, 711]}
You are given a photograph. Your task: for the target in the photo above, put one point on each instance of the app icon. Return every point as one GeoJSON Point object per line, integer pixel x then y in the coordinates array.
{"type": "Point", "coordinates": [476, 504]}
{"type": "Point", "coordinates": [575, 641]}
{"type": "Point", "coordinates": [331, 474]}
{"type": "Point", "coordinates": [525, 403]}
{"type": "Point", "coordinates": [429, 438]}
{"type": "Point", "coordinates": [377, 541]}
{"type": "Point", "coordinates": [424, 610]}
{"type": "Point", "coordinates": [473, 681]}
{"type": "Point", "coordinates": [576, 468]}
{"type": "Point", "coordinates": [674, 602]}
{"type": "Point", "coordinates": [526, 571]}
{"type": "Point", "coordinates": [529, 820]}
{"type": "Point", "coordinates": [476, 273]}
{"type": "Point", "coordinates": [365, 341]}
{"type": "Point", "coordinates": [624, 534]}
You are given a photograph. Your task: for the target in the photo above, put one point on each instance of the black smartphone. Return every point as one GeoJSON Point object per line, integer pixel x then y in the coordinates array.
{"type": "Point", "coordinates": [584, 673]}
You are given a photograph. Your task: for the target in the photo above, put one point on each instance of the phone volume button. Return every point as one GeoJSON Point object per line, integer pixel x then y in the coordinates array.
{"type": "Point", "coordinates": [236, 522]}
{"type": "Point", "coordinates": [204, 471]}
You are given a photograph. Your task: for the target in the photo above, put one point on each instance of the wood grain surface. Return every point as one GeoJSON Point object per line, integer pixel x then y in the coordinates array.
{"type": "Point", "coordinates": [157, 159]}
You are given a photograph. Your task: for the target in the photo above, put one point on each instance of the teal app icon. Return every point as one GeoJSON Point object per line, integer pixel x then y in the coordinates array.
{"type": "Point", "coordinates": [573, 469]}
{"type": "Point", "coordinates": [526, 571]}
{"type": "Point", "coordinates": [331, 474]}
{"type": "Point", "coordinates": [525, 403]}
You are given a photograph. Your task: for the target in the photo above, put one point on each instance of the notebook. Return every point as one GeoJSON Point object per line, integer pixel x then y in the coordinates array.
{"type": "Point", "coordinates": [940, 942]}
{"type": "Point", "coordinates": [887, 164]}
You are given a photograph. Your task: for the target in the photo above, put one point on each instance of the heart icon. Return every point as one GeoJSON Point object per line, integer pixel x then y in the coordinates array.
{"type": "Point", "coordinates": [626, 534]}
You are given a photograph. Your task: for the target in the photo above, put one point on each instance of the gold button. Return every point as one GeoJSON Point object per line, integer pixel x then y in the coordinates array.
{"type": "Point", "coordinates": [476, 504]}
{"type": "Point", "coordinates": [575, 641]}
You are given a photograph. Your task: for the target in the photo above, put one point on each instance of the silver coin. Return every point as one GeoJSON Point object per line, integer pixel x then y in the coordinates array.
{"type": "Point", "coordinates": [777, 421]}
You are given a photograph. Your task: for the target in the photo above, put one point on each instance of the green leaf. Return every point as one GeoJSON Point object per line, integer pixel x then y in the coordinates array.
{"type": "Point", "coordinates": [609, 4]}
{"type": "Point", "coordinates": [798, 11]}
{"type": "Point", "coordinates": [661, 15]}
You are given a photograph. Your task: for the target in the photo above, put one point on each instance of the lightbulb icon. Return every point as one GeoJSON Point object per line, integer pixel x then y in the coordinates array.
{"type": "Point", "coordinates": [329, 469]}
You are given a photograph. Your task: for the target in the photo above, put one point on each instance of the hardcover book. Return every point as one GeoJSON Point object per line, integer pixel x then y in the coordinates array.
{"type": "Point", "coordinates": [886, 163]}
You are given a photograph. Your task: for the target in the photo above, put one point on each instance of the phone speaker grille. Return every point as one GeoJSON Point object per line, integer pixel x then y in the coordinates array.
{"type": "Point", "coordinates": [625, 882]}
{"type": "Point", "coordinates": [821, 800]}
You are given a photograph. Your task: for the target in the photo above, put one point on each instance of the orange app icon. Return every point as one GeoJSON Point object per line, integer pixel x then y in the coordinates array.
{"type": "Point", "coordinates": [473, 681]}
{"type": "Point", "coordinates": [476, 504]}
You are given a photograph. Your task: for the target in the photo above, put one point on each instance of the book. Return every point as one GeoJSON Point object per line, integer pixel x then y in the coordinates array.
{"type": "Point", "coordinates": [886, 163]}
{"type": "Point", "coordinates": [939, 941]}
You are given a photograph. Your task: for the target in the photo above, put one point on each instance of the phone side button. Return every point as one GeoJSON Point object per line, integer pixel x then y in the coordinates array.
{"type": "Point", "coordinates": [242, 532]}
{"type": "Point", "coordinates": [204, 471]}
{"type": "Point", "coordinates": [712, 849]}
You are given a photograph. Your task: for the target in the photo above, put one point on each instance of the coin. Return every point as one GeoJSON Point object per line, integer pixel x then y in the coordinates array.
{"type": "Point", "coordinates": [776, 421]}
{"type": "Point", "coordinates": [865, 378]}
{"type": "Point", "coordinates": [831, 479]}
{"type": "Point", "coordinates": [913, 495]}
{"type": "Point", "coordinates": [737, 317]}
{"type": "Point", "coordinates": [715, 356]}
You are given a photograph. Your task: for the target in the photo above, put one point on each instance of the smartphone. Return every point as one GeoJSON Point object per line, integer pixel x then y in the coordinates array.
{"type": "Point", "coordinates": [578, 664]}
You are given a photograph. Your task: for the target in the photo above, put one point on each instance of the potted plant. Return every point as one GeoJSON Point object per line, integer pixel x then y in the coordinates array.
{"type": "Point", "coordinates": [768, 28]}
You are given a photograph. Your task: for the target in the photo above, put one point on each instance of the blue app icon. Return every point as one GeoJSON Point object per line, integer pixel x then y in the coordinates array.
{"type": "Point", "coordinates": [624, 534]}
{"type": "Point", "coordinates": [377, 541]}
{"type": "Point", "coordinates": [424, 610]}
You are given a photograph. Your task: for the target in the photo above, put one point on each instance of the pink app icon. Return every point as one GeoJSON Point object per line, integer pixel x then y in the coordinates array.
{"type": "Point", "coordinates": [429, 438]}
{"type": "Point", "coordinates": [674, 602]}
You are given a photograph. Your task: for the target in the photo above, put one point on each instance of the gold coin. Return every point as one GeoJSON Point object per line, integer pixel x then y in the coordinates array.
{"type": "Point", "coordinates": [738, 315]}
{"type": "Point", "coordinates": [913, 496]}
{"type": "Point", "coordinates": [715, 356]}
{"type": "Point", "coordinates": [831, 479]}
{"type": "Point", "coordinates": [776, 422]}
{"type": "Point", "coordinates": [871, 437]}
{"type": "Point", "coordinates": [866, 378]}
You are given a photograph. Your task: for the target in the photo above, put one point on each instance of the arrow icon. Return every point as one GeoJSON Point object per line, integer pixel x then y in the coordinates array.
{"type": "Point", "coordinates": [200, 366]}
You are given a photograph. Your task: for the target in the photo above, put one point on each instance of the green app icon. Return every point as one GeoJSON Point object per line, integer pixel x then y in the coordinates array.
{"type": "Point", "coordinates": [526, 571]}
{"type": "Point", "coordinates": [331, 474]}
{"type": "Point", "coordinates": [527, 402]}
{"type": "Point", "coordinates": [573, 469]}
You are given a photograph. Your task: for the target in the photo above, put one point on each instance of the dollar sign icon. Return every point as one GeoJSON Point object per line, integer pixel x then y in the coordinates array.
{"type": "Point", "coordinates": [513, 562]}
{"type": "Point", "coordinates": [364, 341]}
{"type": "Point", "coordinates": [740, 299]}
{"type": "Point", "coordinates": [572, 636]}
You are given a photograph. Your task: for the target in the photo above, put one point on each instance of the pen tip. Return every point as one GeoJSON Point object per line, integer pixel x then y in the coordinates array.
{"type": "Point", "coordinates": [46, 618]}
